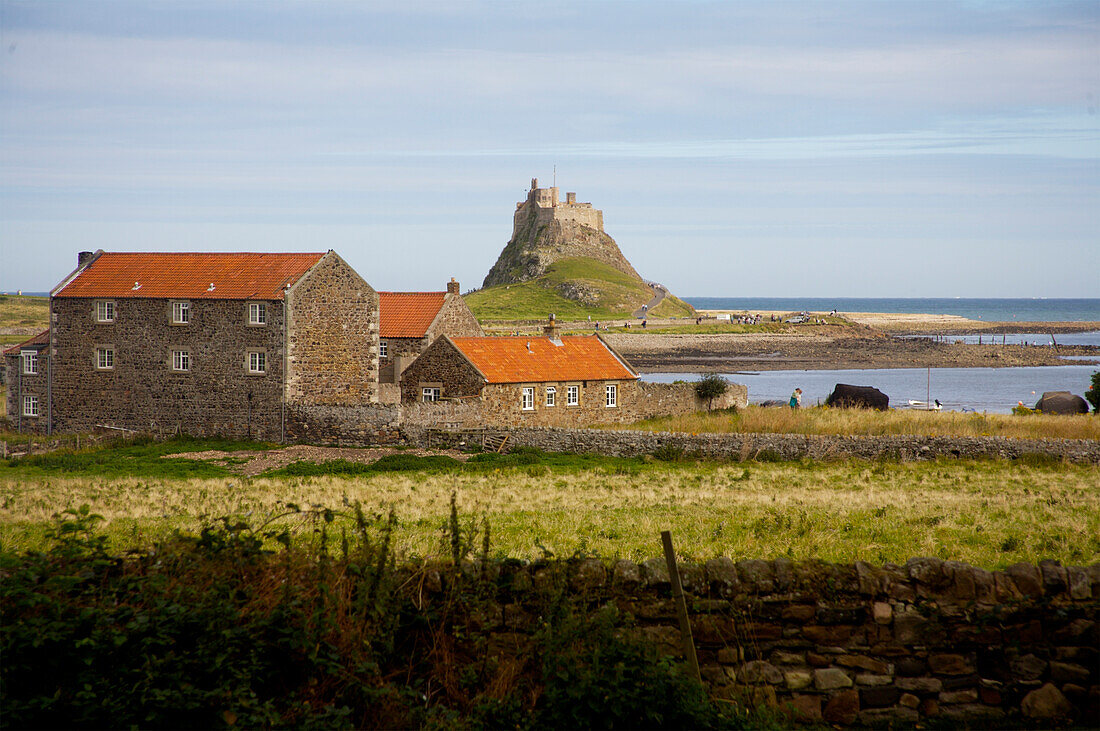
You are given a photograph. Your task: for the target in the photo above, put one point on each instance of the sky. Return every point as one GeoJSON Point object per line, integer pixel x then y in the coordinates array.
{"type": "Point", "coordinates": [776, 148]}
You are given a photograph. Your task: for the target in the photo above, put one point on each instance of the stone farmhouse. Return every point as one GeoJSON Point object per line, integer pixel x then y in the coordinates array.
{"type": "Point", "coordinates": [27, 367]}
{"type": "Point", "coordinates": [202, 343]}
{"type": "Point", "coordinates": [527, 381]}
{"type": "Point", "coordinates": [411, 321]}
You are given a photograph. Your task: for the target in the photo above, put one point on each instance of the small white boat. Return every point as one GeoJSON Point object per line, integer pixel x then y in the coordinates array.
{"type": "Point", "coordinates": [924, 405]}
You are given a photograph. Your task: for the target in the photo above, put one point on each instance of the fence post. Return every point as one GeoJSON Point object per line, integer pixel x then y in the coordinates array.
{"type": "Point", "coordinates": [681, 606]}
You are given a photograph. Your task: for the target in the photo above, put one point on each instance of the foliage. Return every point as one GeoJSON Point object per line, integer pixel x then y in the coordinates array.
{"type": "Point", "coordinates": [244, 626]}
{"type": "Point", "coordinates": [1093, 394]}
{"type": "Point", "coordinates": [711, 386]}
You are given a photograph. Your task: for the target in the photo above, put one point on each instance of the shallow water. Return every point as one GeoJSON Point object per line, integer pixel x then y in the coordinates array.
{"type": "Point", "coordinates": [995, 390]}
{"type": "Point", "coordinates": [1082, 338]}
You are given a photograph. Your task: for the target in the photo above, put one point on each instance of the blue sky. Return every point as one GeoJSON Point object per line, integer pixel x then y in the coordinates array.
{"type": "Point", "coordinates": [878, 149]}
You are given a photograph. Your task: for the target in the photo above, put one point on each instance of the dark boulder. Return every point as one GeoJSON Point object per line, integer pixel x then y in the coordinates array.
{"type": "Point", "coordinates": [1061, 402]}
{"type": "Point", "coordinates": [860, 397]}
{"type": "Point", "coordinates": [771, 403]}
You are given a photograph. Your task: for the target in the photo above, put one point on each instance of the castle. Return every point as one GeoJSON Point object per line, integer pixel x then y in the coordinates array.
{"type": "Point", "coordinates": [546, 205]}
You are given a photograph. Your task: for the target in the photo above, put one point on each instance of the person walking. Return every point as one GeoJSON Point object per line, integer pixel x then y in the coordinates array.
{"type": "Point", "coordinates": [796, 399]}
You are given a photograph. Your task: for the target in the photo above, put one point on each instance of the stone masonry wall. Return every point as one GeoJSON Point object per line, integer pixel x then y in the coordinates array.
{"type": "Point", "coordinates": [217, 395]}
{"type": "Point", "coordinates": [454, 319]}
{"type": "Point", "coordinates": [931, 641]}
{"type": "Point", "coordinates": [332, 337]}
{"type": "Point", "coordinates": [441, 364]}
{"type": "Point", "coordinates": [344, 425]}
{"type": "Point", "coordinates": [669, 399]}
{"type": "Point", "coordinates": [20, 384]}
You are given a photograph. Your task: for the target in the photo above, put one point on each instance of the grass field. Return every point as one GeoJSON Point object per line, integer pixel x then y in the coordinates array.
{"type": "Point", "coordinates": [27, 315]}
{"type": "Point", "coordinates": [991, 514]}
{"type": "Point", "coordinates": [757, 420]}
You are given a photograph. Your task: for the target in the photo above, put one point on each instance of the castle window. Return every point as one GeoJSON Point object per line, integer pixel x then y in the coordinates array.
{"type": "Point", "coordinates": [572, 395]}
{"type": "Point", "coordinates": [30, 406]}
{"type": "Point", "coordinates": [257, 313]}
{"type": "Point", "coordinates": [181, 313]}
{"type": "Point", "coordinates": [528, 399]}
{"type": "Point", "coordinates": [551, 396]}
{"type": "Point", "coordinates": [105, 311]}
{"type": "Point", "coordinates": [105, 358]}
{"type": "Point", "coordinates": [256, 362]}
{"type": "Point", "coordinates": [612, 395]}
{"type": "Point", "coordinates": [383, 349]}
{"type": "Point", "coordinates": [30, 362]}
{"type": "Point", "coordinates": [181, 361]}
{"type": "Point", "coordinates": [429, 394]}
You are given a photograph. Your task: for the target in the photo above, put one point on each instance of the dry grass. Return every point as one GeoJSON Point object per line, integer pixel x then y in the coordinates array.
{"type": "Point", "coordinates": [987, 513]}
{"type": "Point", "coordinates": [757, 420]}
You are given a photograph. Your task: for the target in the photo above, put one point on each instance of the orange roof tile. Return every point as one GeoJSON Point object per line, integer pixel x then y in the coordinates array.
{"type": "Point", "coordinates": [510, 360]}
{"type": "Point", "coordinates": [408, 314]}
{"type": "Point", "coordinates": [189, 275]}
{"type": "Point", "coordinates": [42, 338]}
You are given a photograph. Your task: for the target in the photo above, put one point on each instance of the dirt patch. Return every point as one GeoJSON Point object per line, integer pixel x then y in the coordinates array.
{"type": "Point", "coordinates": [251, 463]}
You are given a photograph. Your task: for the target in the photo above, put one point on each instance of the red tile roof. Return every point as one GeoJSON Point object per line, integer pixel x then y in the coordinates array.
{"type": "Point", "coordinates": [42, 338]}
{"type": "Point", "coordinates": [537, 359]}
{"type": "Point", "coordinates": [408, 314]}
{"type": "Point", "coordinates": [189, 275]}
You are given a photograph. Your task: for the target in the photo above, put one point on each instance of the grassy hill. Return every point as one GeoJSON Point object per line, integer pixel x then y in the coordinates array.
{"type": "Point", "coordinates": [21, 317]}
{"type": "Point", "coordinates": [573, 289]}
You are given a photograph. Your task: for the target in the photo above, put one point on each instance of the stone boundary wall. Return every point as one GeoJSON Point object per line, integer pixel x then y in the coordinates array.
{"type": "Point", "coordinates": [668, 399]}
{"type": "Point", "coordinates": [623, 443]}
{"type": "Point", "coordinates": [345, 425]}
{"type": "Point", "coordinates": [932, 640]}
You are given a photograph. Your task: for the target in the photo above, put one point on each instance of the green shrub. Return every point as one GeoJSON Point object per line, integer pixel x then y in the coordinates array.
{"type": "Point", "coordinates": [1093, 394]}
{"type": "Point", "coordinates": [710, 387]}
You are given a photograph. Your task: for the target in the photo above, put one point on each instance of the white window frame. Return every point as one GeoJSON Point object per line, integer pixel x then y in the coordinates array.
{"type": "Point", "coordinates": [181, 313]}
{"type": "Point", "coordinates": [105, 358]}
{"type": "Point", "coordinates": [611, 395]}
{"type": "Point", "coordinates": [30, 362]}
{"type": "Point", "coordinates": [383, 349]}
{"type": "Point", "coordinates": [551, 396]}
{"type": "Point", "coordinates": [181, 361]}
{"type": "Point", "coordinates": [105, 311]}
{"type": "Point", "coordinates": [527, 398]}
{"type": "Point", "coordinates": [573, 395]}
{"type": "Point", "coordinates": [30, 406]}
{"type": "Point", "coordinates": [257, 313]}
{"type": "Point", "coordinates": [254, 358]}
{"type": "Point", "coordinates": [430, 394]}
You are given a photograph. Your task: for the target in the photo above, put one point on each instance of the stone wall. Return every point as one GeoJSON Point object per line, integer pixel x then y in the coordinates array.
{"type": "Point", "coordinates": [668, 399]}
{"type": "Point", "coordinates": [796, 446]}
{"type": "Point", "coordinates": [20, 384]}
{"type": "Point", "coordinates": [442, 365]}
{"type": "Point", "coordinates": [454, 319]}
{"type": "Point", "coordinates": [332, 336]}
{"type": "Point", "coordinates": [345, 425]}
{"type": "Point", "coordinates": [932, 640]}
{"type": "Point", "coordinates": [216, 395]}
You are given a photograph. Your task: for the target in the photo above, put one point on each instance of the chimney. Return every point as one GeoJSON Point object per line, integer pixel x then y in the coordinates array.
{"type": "Point", "coordinates": [83, 258]}
{"type": "Point", "coordinates": [452, 286]}
{"type": "Point", "coordinates": [551, 331]}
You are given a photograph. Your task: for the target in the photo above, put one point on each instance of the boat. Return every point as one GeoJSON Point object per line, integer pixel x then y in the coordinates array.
{"type": "Point", "coordinates": [924, 405]}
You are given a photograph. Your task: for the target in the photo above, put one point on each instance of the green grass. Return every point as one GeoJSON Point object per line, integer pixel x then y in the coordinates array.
{"type": "Point", "coordinates": [31, 313]}
{"type": "Point", "coordinates": [988, 513]}
{"type": "Point", "coordinates": [619, 295]}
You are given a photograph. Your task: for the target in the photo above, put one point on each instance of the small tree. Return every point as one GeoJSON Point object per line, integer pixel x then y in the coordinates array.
{"type": "Point", "coordinates": [1093, 394]}
{"type": "Point", "coordinates": [710, 387]}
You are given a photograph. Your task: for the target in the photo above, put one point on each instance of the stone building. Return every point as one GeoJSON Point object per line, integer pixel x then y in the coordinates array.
{"type": "Point", "coordinates": [411, 321]}
{"type": "Point", "coordinates": [518, 381]}
{"type": "Point", "coordinates": [206, 343]}
{"type": "Point", "coordinates": [26, 368]}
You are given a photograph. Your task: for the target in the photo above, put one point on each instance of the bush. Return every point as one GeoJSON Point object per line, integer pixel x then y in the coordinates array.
{"type": "Point", "coordinates": [1093, 394]}
{"type": "Point", "coordinates": [710, 387]}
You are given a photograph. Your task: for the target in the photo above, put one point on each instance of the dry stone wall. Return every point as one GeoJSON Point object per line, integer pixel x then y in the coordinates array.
{"type": "Point", "coordinates": [931, 641]}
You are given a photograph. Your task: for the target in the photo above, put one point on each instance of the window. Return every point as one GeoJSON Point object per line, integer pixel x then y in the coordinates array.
{"type": "Point", "coordinates": [383, 349]}
{"type": "Point", "coordinates": [528, 398]}
{"type": "Point", "coordinates": [181, 313]}
{"type": "Point", "coordinates": [105, 358]}
{"type": "Point", "coordinates": [257, 313]}
{"type": "Point", "coordinates": [257, 361]}
{"type": "Point", "coordinates": [612, 395]}
{"type": "Point", "coordinates": [30, 362]}
{"type": "Point", "coordinates": [430, 393]}
{"type": "Point", "coordinates": [181, 360]}
{"type": "Point", "coordinates": [551, 396]}
{"type": "Point", "coordinates": [30, 406]}
{"type": "Point", "coordinates": [105, 311]}
{"type": "Point", "coordinates": [572, 395]}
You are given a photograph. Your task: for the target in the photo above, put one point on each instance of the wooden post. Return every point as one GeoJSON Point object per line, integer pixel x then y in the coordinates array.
{"type": "Point", "coordinates": [681, 606]}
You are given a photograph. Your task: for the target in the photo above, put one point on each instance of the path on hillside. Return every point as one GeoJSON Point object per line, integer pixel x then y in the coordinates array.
{"type": "Point", "coordinates": [660, 291]}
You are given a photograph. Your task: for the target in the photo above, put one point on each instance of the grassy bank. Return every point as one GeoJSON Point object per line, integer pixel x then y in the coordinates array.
{"type": "Point", "coordinates": [991, 514]}
{"type": "Point", "coordinates": [840, 422]}
{"type": "Point", "coordinates": [23, 316]}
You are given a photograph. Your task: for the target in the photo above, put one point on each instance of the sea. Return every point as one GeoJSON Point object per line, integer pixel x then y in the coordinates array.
{"type": "Point", "coordinates": [1021, 309]}
{"type": "Point", "coordinates": [993, 390]}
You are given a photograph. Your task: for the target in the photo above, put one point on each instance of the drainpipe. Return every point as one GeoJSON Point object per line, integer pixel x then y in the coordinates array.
{"type": "Point", "coordinates": [286, 367]}
{"type": "Point", "coordinates": [49, 391]}
{"type": "Point", "coordinates": [19, 396]}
